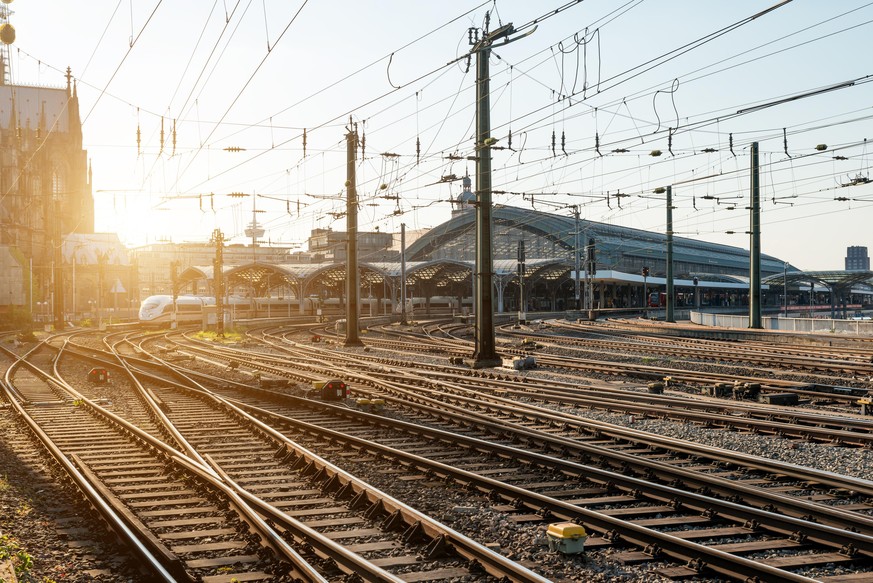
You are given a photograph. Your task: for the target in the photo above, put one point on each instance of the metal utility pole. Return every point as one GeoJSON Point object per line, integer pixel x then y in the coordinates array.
{"type": "Point", "coordinates": [58, 271]}
{"type": "Point", "coordinates": [811, 298]}
{"type": "Point", "coordinates": [218, 278]}
{"type": "Point", "coordinates": [485, 354]}
{"type": "Point", "coordinates": [101, 272]}
{"type": "Point", "coordinates": [174, 281]}
{"type": "Point", "coordinates": [403, 273]}
{"type": "Point", "coordinates": [522, 308]}
{"type": "Point", "coordinates": [755, 244]}
{"type": "Point", "coordinates": [646, 291]}
{"type": "Point", "coordinates": [590, 271]}
{"type": "Point", "coordinates": [576, 263]}
{"type": "Point", "coordinates": [352, 286]}
{"type": "Point", "coordinates": [785, 286]}
{"type": "Point", "coordinates": [670, 294]}
{"type": "Point", "coordinates": [255, 229]}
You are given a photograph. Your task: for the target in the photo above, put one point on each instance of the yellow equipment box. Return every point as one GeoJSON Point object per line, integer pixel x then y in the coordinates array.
{"type": "Point", "coordinates": [566, 537]}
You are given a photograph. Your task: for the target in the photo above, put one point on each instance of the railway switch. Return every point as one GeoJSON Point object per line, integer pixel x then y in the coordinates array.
{"type": "Point", "coordinates": [779, 398]}
{"type": "Point", "coordinates": [566, 537]}
{"type": "Point", "coordinates": [272, 383]}
{"type": "Point", "coordinates": [866, 404]}
{"type": "Point", "coordinates": [98, 375]}
{"type": "Point", "coordinates": [746, 391]}
{"type": "Point", "coordinates": [717, 390]}
{"type": "Point", "coordinates": [523, 363]}
{"type": "Point", "coordinates": [374, 405]}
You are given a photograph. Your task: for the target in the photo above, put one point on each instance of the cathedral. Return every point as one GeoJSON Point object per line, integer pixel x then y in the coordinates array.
{"type": "Point", "coordinates": [45, 191]}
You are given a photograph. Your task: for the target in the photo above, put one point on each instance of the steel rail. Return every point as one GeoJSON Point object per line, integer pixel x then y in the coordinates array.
{"type": "Point", "coordinates": [588, 397]}
{"type": "Point", "coordinates": [475, 400]}
{"type": "Point", "coordinates": [645, 406]}
{"type": "Point", "coordinates": [299, 566]}
{"type": "Point", "coordinates": [351, 563]}
{"type": "Point", "coordinates": [554, 387]}
{"type": "Point", "coordinates": [706, 349]}
{"type": "Point", "coordinates": [651, 373]}
{"type": "Point", "coordinates": [157, 559]}
{"type": "Point", "coordinates": [490, 561]}
{"type": "Point", "coordinates": [793, 525]}
{"type": "Point", "coordinates": [657, 543]}
{"type": "Point", "coordinates": [725, 487]}
{"type": "Point", "coordinates": [666, 472]}
{"type": "Point", "coordinates": [251, 506]}
{"type": "Point", "coordinates": [827, 534]}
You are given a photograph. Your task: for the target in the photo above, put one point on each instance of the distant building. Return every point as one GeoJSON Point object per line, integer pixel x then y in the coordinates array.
{"type": "Point", "coordinates": [466, 200]}
{"type": "Point", "coordinates": [327, 245]}
{"type": "Point", "coordinates": [857, 258]}
{"type": "Point", "coordinates": [46, 186]}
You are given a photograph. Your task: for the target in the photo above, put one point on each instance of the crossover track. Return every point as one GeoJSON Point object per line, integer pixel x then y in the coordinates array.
{"type": "Point", "coordinates": [238, 426]}
{"type": "Point", "coordinates": [305, 361]}
{"type": "Point", "coordinates": [342, 526]}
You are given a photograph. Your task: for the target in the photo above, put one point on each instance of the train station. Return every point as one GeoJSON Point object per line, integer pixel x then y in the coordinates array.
{"type": "Point", "coordinates": [388, 378]}
{"type": "Point", "coordinates": [629, 272]}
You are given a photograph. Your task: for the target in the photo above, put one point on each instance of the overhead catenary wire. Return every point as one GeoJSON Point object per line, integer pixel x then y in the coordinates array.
{"type": "Point", "coordinates": [575, 153]}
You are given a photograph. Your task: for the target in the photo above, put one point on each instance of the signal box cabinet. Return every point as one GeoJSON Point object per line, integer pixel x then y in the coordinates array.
{"type": "Point", "coordinates": [98, 375]}
{"type": "Point", "coordinates": [334, 390]}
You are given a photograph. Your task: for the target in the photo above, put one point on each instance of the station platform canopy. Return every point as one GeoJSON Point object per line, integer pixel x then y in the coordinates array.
{"type": "Point", "coordinates": [704, 280]}
{"type": "Point", "coordinates": [439, 274]}
{"type": "Point", "coordinates": [830, 279]}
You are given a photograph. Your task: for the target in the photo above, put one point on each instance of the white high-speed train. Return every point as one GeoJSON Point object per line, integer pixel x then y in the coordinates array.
{"type": "Point", "coordinates": [159, 309]}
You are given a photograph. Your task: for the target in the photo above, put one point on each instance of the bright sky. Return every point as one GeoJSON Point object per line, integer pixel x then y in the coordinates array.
{"type": "Point", "coordinates": [601, 75]}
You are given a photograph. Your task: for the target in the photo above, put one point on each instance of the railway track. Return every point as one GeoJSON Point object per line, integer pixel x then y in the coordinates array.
{"type": "Point", "coordinates": [337, 519]}
{"type": "Point", "coordinates": [521, 455]}
{"type": "Point", "coordinates": [443, 339]}
{"type": "Point", "coordinates": [845, 361]}
{"type": "Point", "coordinates": [783, 421]}
{"type": "Point", "coordinates": [807, 561]}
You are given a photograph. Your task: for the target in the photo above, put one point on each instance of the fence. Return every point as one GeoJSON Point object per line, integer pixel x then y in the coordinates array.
{"type": "Point", "coordinates": [816, 325]}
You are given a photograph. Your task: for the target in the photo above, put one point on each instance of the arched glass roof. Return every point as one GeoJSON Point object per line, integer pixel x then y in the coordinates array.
{"type": "Point", "coordinates": [445, 255]}
{"type": "Point", "coordinates": [832, 279]}
{"type": "Point", "coordinates": [554, 236]}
